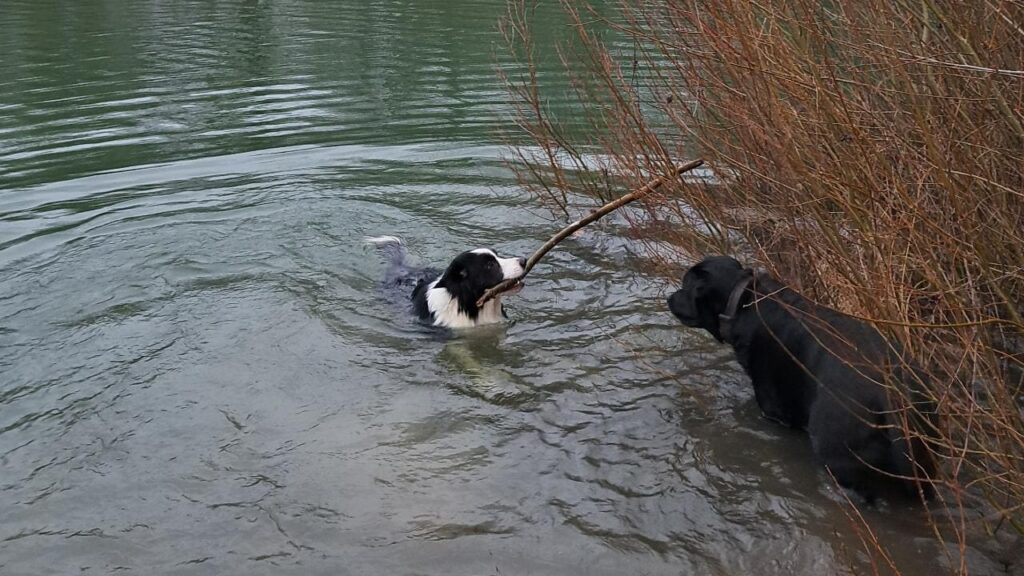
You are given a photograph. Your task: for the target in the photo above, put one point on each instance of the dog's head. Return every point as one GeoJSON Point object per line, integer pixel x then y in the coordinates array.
{"type": "Point", "coordinates": [705, 293]}
{"type": "Point", "coordinates": [471, 273]}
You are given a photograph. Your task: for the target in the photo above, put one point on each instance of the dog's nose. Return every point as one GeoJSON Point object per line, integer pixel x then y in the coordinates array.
{"type": "Point", "coordinates": [522, 262]}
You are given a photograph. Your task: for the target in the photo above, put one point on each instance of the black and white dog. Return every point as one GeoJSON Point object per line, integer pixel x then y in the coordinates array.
{"type": "Point", "coordinates": [448, 298]}
{"type": "Point", "coordinates": [816, 369]}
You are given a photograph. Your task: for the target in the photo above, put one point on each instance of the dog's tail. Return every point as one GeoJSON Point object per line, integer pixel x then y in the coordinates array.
{"type": "Point", "coordinates": [394, 253]}
{"type": "Point", "coordinates": [391, 247]}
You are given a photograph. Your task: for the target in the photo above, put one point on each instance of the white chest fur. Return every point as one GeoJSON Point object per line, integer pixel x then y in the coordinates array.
{"type": "Point", "coordinates": [447, 314]}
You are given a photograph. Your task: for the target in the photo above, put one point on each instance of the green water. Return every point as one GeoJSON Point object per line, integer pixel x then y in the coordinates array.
{"type": "Point", "coordinates": [198, 374]}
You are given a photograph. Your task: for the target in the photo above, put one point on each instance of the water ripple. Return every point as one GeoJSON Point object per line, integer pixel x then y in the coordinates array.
{"type": "Point", "coordinates": [200, 373]}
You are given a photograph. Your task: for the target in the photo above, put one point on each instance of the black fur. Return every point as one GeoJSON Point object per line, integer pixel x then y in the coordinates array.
{"type": "Point", "coordinates": [465, 279]}
{"type": "Point", "coordinates": [815, 369]}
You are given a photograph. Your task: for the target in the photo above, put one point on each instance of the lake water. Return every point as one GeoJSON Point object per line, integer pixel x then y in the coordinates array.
{"type": "Point", "coordinates": [198, 374]}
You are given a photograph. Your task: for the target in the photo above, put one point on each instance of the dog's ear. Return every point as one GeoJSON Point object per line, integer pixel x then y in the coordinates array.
{"type": "Point", "coordinates": [457, 270]}
{"type": "Point", "coordinates": [699, 277]}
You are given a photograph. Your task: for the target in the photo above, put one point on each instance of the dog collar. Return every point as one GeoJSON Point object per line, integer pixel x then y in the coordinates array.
{"type": "Point", "coordinates": [725, 319]}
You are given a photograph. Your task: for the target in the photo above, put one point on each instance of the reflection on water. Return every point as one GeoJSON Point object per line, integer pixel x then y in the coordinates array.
{"type": "Point", "coordinates": [199, 374]}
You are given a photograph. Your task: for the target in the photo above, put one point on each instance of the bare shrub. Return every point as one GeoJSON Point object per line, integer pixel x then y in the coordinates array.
{"type": "Point", "coordinates": [870, 153]}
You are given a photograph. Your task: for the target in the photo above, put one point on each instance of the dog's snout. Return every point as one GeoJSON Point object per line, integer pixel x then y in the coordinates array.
{"type": "Point", "coordinates": [522, 262]}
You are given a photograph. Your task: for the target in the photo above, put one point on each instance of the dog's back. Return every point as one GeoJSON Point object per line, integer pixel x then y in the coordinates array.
{"type": "Point", "coordinates": [401, 275]}
{"type": "Point", "coordinates": [862, 382]}
{"type": "Point", "coordinates": [400, 272]}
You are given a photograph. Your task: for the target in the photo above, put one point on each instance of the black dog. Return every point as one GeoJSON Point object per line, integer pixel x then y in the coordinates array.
{"type": "Point", "coordinates": [816, 369]}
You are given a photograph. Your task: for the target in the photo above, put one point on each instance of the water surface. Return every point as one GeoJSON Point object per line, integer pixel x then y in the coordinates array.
{"type": "Point", "coordinates": [198, 372]}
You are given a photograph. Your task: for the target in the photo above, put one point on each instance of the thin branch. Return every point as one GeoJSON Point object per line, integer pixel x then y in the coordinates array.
{"type": "Point", "coordinates": [594, 216]}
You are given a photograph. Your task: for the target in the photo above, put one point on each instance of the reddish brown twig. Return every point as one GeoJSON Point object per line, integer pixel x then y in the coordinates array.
{"type": "Point", "coordinates": [564, 233]}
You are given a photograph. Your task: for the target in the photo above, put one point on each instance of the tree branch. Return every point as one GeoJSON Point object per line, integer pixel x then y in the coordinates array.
{"type": "Point", "coordinates": [594, 216]}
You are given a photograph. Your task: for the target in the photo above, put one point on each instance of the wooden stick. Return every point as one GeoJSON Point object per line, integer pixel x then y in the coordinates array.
{"type": "Point", "coordinates": [597, 214]}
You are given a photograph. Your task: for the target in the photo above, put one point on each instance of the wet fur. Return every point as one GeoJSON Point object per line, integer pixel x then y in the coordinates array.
{"type": "Point", "coordinates": [448, 298]}
{"type": "Point", "coordinates": [815, 369]}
